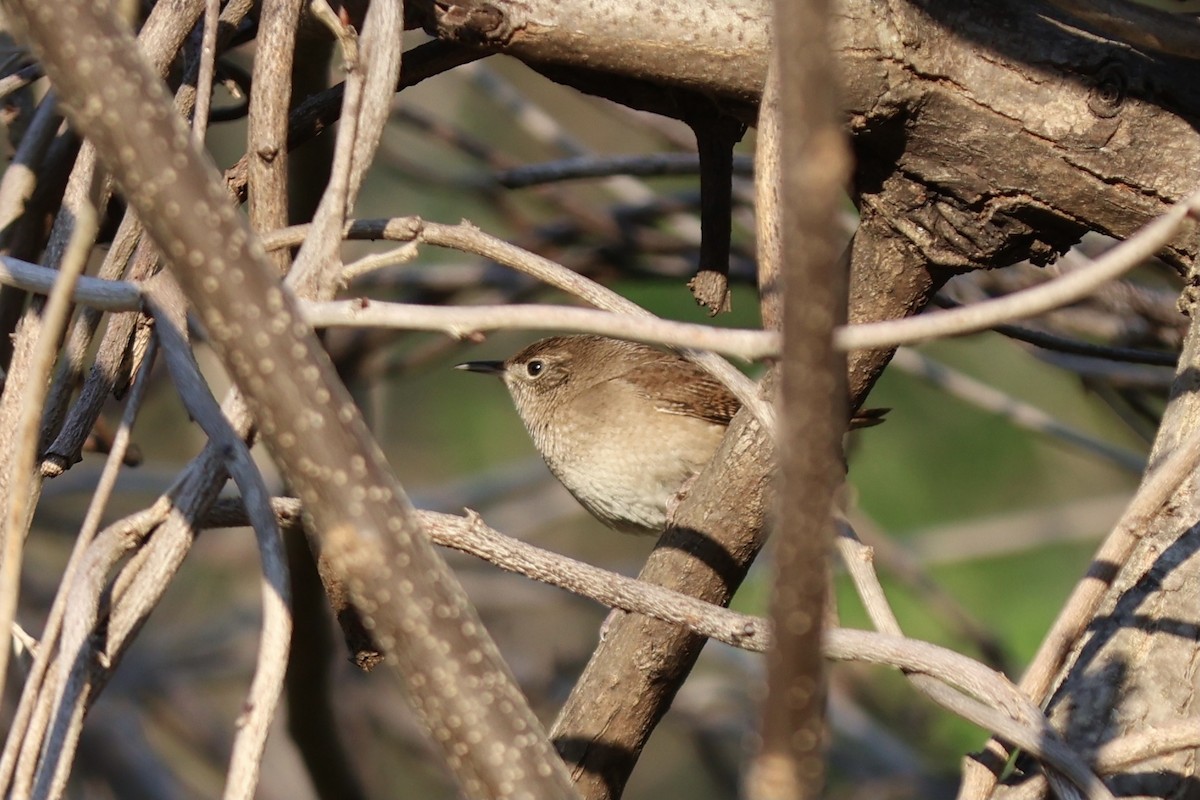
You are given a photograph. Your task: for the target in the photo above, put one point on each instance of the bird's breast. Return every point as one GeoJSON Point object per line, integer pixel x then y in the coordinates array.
{"type": "Point", "coordinates": [624, 468]}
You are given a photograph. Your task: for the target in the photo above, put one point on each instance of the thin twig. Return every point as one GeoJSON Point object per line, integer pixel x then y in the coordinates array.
{"type": "Point", "coordinates": [1157, 487]}
{"type": "Point", "coordinates": [1048, 745]}
{"type": "Point", "coordinates": [1053, 294]}
{"type": "Point", "coordinates": [208, 61]}
{"type": "Point", "coordinates": [1119, 755]}
{"type": "Point", "coordinates": [1147, 28]}
{"type": "Point", "coordinates": [462, 321]}
{"type": "Point", "coordinates": [25, 165]}
{"type": "Point", "coordinates": [643, 166]}
{"type": "Point", "coordinates": [19, 79]}
{"type": "Point", "coordinates": [1020, 531]}
{"type": "Point", "coordinates": [267, 126]}
{"type": "Point", "coordinates": [1114, 373]}
{"type": "Point", "coordinates": [346, 37]}
{"type": "Point", "coordinates": [105, 295]}
{"type": "Point", "coordinates": [267, 684]}
{"type": "Point", "coordinates": [370, 84]}
{"type": "Point", "coordinates": [376, 261]}
{"type": "Point", "coordinates": [50, 631]}
{"type": "Point", "coordinates": [903, 562]}
{"type": "Point", "coordinates": [1065, 344]}
{"type": "Point", "coordinates": [768, 225]}
{"type": "Point", "coordinates": [545, 128]}
{"type": "Point", "coordinates": [24, 449]}
{"type": "Point", "coordinates": [471, 535]}
{"type": "Point", "coordinates": [472, 240]}
{"type": "Point", "coordinates": [1019, 413]}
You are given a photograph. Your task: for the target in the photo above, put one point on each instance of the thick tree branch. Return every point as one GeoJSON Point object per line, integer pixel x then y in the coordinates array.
{"type": "Point", "coordinates": [814, 164]}
{"type": "Point", "coordinates": [716, 47]}
{"type": "Point", "coordinates": [425, 623]}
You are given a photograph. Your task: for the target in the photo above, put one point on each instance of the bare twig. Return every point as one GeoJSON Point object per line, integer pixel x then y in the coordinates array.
{"type": "Point", "coordinates": [1157, 487]}
{"type": "Point", "coordinates": [1020, 531]}
{"type": "Point", "coordinates": [462, 321]}
{"type": "Point", "coordinates": [375, 261]}
{"type": "Point", "coordinates": [24, 450]}
{"type": "Point", "coordinates": [369, 87]}
{"type": "Point", "coordinates": [105, 295]}
{"type": "Point", "coordinates": [766, 202]}
{"type": "Point", "coordinates": [1016, 706]}
{"type": "Point", "coordinates": [266, 138]}
{"type": "Point", "coordinates": [1148, 28]}
{"type": "Point", "coordinates": [267, 684]}
{"type": "Point", "coordinates": [1132, 749]}
{"type": "Point", "coordinates": [18, 731]}
{"type": "Point", "coordinates": [814, 163]}
{"type": "Point", "coordinates": [543, 127]}
{"type": "Point", "coordinates": [1000, 707]}
{"type": "Point", "coordinates": [1029, 302]}
{"type": "Point", "coordinates": [322, 109]}
{"type": "Point", "coordinates": [594, 166]}
{"type": "Point", "coordinates": [903, 562]}
{"type": "Point", "coordinates": [313, 429]}
{"type": "Point", "coordinates": [1114, 373]}
{"type": "Point", "coordinates": [346, 37]}
{"type": "Point", "coordinates": [21, 173]}
{"type": "Point", "coordinates": [19, 79]}
{"type": "Point", "coordinates": [1064, 344]}
{"type": "Point", "coordinates": [1019, 413]}
{"type": "Point", "coordinates": [208, 68]}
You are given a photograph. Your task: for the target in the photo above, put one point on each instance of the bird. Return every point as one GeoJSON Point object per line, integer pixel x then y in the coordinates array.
{"type": "Point", "coordinates": [624, 426]}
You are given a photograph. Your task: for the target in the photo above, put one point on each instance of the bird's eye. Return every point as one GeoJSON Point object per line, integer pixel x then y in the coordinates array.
{"type": "Point", "coordinates": [534, 368]}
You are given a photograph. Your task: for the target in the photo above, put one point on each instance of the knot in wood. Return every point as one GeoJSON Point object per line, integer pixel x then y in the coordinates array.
{"type": "Point", "coordinates": [1109, 89]}
{"type": "Point", "coordinates": [474, 24]}
{"type": "Point", "coordinates": [991, 232]}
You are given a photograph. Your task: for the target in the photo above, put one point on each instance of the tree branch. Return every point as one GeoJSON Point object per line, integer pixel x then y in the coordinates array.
{"type": "Point", "coordinates": [434, 639]}
{"type": "Point", "coordinates": [814, 164]}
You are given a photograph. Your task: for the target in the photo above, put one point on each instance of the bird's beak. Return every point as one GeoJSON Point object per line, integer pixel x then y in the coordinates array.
{"type": "Point", "coordinates": [486, 367]}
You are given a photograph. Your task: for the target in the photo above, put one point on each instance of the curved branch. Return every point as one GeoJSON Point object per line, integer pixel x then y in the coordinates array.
{"type": "Point", "coordinates": [1048, 296]}
{"type": "Point", "coordinates": [1000, 706]}
{"type": "Point", "coordinates": [462, 321]}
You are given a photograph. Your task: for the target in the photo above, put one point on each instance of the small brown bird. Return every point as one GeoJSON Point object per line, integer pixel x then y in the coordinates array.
{"type": "Point", "coordinates": [622, 425]}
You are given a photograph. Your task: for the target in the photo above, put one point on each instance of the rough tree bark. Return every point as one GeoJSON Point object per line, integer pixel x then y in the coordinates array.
{"type": "Point", "coordinates": [986, 133]}
{"type": "Point", "coordinates": [366, 529]}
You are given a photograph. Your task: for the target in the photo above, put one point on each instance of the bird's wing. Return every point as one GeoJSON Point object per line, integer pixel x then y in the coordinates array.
{"type": "Point", "coordinates": [680, 387]}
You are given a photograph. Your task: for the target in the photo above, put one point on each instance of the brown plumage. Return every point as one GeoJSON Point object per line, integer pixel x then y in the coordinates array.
{"type": "Point", "coordinates": [624, 426]}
